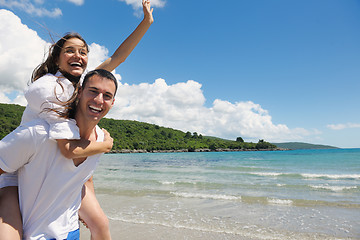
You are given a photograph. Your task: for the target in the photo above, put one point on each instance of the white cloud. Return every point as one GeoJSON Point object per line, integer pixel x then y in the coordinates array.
{"type": "Point", "coordinates": [4, 98]}
{"type": "Point", "coordinates": [181, 106]}
{"type": "Point", "coordinates": [97, 55]}
{"type": "Point", "coordinates": [342, 126]}
{"type": "Point", "coordinates": [31, 8]}
{"type": "Point", "coordinates": [20, 100]}
{"type": "Point", "coordinates": [136, 4]}
{"type": "Point", "coordinates": [77, 2]}
{"type": "Point", "coordinates": [21, 50]}
{"type": "Point", "coordinates": [37, 8]}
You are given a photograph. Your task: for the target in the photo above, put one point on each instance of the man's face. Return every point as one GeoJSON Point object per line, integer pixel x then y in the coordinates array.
{"type": "Point", "coordinates": [96, 98]}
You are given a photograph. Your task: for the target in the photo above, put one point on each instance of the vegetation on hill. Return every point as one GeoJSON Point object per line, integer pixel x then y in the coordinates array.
{"type": "Point", "coordinates": [10, 118]}
{"type": "Point", "coordinates": [301, 145]}
{"type": "Point", "coordinates": [138, 135]}
{"type": "Point", "coordinates": [133, 135]}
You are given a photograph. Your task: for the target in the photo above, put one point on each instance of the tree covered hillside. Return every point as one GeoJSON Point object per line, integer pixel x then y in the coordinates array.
{"type": "Point", "coordinates": [10, 118]}
{"type": "Point", "coordinates": [133, 135]}
{"type": "Point", "coordinates": [301, 145]}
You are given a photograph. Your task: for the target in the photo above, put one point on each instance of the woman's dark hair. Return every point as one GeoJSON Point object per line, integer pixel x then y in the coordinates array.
{"type": "Point", "coordinates": [50, 65]}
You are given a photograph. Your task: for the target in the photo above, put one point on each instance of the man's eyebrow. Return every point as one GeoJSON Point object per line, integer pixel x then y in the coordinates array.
{"type": "Point", "coordinates": [95, 88]}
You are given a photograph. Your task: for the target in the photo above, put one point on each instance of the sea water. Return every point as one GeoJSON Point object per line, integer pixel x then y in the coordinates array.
{"type": "Point", "coordinates": [297, 194]}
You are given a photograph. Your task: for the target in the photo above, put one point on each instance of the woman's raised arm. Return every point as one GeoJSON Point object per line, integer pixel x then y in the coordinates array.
{"type": "Point", "coordinates": [124, 50]}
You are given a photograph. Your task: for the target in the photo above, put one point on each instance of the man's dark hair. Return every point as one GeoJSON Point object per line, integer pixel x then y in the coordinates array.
{"type": "Point", "coordinates": [102, 73]}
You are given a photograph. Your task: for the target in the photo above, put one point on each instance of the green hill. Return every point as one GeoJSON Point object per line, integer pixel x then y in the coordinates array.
{"type": "Point", "coordinates": [301, 145]}
{"type": "Point", "coordinates": [10, 118]}
{"type": "Point", "coordinates": [133, 135]}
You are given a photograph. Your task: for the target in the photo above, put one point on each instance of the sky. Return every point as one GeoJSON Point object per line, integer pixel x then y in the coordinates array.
{"type": "Point", "coordinates": [277, 70]}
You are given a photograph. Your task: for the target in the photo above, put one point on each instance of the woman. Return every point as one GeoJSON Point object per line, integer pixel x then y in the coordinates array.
{"type": "Point", "coordinates": [63, 68]}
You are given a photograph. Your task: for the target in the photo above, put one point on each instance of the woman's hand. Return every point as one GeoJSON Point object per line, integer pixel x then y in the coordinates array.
{"type": "Point", "coordinates": [108, 140]}
{"type": "Point", "coordinates": [147, 11]}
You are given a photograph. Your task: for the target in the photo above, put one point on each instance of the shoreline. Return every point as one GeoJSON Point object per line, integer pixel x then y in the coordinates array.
{"type": "Point", "coordinates": [142, 231]}
{"type": "Point", "coordinates": [195, 150]}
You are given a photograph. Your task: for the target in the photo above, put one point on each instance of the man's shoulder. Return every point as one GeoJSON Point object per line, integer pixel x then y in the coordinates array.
{"type": "Point", "coordinates": [37, 125]}
{"type": "Point", "coordinates": [29, 134]}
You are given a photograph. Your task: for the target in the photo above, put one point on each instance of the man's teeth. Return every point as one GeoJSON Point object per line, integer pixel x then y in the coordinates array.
{"type": "Point", "coordinates": [95, 109]}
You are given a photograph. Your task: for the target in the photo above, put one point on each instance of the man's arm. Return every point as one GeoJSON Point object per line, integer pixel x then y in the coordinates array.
{"type": "Point", "coordinates": [130, 43]}
{"type": "Point", "coordinates": [1, 171]}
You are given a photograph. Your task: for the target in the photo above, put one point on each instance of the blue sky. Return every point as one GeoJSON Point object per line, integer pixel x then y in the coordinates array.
{"type": "Point", "coordinates": [274, 69]}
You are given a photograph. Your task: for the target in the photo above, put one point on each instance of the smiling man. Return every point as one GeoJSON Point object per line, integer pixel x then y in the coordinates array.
{"type": "Point", "coordinates": [49, 185]}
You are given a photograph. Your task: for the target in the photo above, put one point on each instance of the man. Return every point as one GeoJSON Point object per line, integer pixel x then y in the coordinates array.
{"type": "Point", "coordinates": [50, 185]}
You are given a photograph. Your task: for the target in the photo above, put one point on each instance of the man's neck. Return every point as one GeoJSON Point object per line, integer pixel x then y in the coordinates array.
{"type": "Point", "coordinates": [86, 128]}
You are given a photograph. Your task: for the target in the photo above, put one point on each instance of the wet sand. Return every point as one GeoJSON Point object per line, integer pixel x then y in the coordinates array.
{"type": "Point", "coordinates": [138, 231]}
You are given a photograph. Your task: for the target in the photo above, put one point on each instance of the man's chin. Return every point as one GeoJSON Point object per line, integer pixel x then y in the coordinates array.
{"type": "Point", "coordinates": [95, 117]}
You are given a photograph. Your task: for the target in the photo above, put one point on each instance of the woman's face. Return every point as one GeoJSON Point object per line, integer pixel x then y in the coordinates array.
{"type": "Point", "coordinates": [73, 57]}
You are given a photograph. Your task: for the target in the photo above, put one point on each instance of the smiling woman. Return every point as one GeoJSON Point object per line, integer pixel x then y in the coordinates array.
{"type": "Point", "coordinates": [69, 56]}
{"type": "Point", "coordinates": [75, 57]}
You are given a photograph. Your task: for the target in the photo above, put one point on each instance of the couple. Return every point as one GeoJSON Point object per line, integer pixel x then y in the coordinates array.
{"type": "Point", "coordinates": [54, 82]}
{"type": "Point", "coordinates": [49, 184]}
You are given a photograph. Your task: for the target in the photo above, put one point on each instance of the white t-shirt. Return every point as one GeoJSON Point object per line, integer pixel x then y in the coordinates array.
{"type": "Point", "coordinates": [49, 184]}
{"type": "Point", "coordinates": [47, 93]}
{"type": "Point", "coordinates": [40, 95]}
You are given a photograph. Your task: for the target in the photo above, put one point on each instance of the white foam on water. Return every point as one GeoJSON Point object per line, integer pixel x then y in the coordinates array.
{"type": "Point", "coordinates": [271, 174]}
{"type": "Point", "coordinates": [177, 182]}
{"type": "Point", "coordinates": [206, 196]}
{"type": "Point", "coordinates": [331, 176]}
{"type": "Point", "coordinates": [277, 201]}
{"type": "Point", "coordinates": [167, 183]}
{"type": "Point", "coordinates": [333, 188]}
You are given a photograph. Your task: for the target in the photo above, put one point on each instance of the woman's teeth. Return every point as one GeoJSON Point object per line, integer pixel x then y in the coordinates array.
{"type": "Point", "coordinates": [75, 64]}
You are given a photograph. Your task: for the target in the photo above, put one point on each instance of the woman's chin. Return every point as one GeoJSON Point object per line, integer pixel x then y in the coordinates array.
{"type": "Point", "coordinates": [77, 73]}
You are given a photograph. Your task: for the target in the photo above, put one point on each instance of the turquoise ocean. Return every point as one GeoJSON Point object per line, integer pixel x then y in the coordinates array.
{"type": "Point", "coordinates": [296, 194]}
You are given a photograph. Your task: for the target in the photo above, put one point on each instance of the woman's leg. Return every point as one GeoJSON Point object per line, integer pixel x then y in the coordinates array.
{"type": "Point", "coordinates": [10, 216]}
{"type": "Point", "coordinates": [92, 214]}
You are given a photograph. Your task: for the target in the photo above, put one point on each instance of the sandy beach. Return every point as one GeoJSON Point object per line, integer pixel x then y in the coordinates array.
{"type": "Point", "coordinates": [136, 231]}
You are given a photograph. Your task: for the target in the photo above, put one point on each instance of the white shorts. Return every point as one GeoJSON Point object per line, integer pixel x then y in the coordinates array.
{"type": "Point", "coordinates": [9, 180]}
